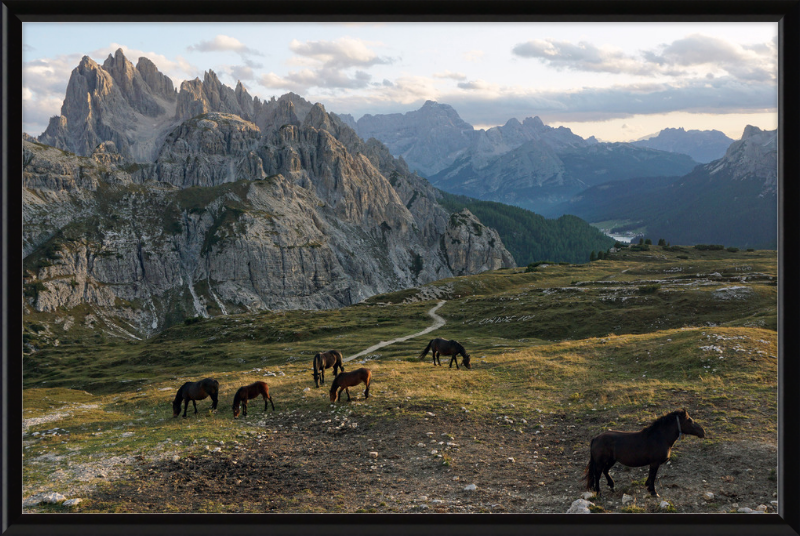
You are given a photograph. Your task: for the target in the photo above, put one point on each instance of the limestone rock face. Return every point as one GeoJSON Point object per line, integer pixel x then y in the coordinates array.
{"type": "Point", "coordinates": [115, 102]}
{"type": "Point", "coordinates": [231, 219]}
{"type": "Point", "coordinates": [702, 145]}
{"type": "Point", "coordinates": [752, 157]}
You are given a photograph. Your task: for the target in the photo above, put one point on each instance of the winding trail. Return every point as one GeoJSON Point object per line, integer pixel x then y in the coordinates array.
{"type": "Point", "coordinates": [438, 322]}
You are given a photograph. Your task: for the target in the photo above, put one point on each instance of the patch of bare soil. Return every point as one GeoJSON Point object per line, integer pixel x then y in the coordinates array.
{"type": "Point", "coordinates": [413, 461]}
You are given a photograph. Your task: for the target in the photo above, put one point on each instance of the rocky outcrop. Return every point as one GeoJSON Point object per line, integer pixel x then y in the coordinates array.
{"type": "Point", "coordinates": [753, 157]}
{"type": "Point", "coordinates": [230, 219]}
{"type": "Point", "coordinates": [131, 107]}
{"type": "Point", "coordinates": [702, 145]}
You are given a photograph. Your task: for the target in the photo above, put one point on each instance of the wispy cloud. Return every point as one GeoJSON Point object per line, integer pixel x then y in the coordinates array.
{"type": "Point", "coordinates": [448, 74]}
{"type": "Point", "coordinates": [326, 63]}
{"type": "Point", "coordinates": [224, 43]}
{"type": "Point", "coordinates": [473, 55]}
{"type": "Point", "coordinates": [681, 58]}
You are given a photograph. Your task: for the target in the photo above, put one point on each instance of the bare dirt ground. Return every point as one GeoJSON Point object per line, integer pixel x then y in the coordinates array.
{"type": "Point", "coordinates": [422, 459]}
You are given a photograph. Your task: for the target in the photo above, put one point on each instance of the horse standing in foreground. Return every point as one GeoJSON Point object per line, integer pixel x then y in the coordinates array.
{"type": "Point", "coordinates": [350, 379]}
{"type": "Point", "coordinates": [195, 391]}
{"type": "Point", "coordinates": [445, 347]}
{"type": "Point", "coordinates": [251, 391]}
{"type": "Point", "coordinates": [323, 360]}
{"type": "Point", "coordinates": [650, 446]}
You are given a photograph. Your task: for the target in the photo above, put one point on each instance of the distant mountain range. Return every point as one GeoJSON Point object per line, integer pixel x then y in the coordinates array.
{"type": "Point", "coordinates": [730, 201]}
{"type": "Point", "coordinates": [702, 145]}
{"type": "Point", "coordinates": [528, 163]}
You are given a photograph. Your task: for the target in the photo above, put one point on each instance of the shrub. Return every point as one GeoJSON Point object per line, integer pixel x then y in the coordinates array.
{"type": "Point", "coordinates": [662, 242]}
{"type": "Point", "coordinates": [733, 249]}
{"type": "Point", "coordinates": [193, 320]}
{"type": "Point", "coordinates": [649, 289]}
{"type": "Point", "coordinates": [709, 247]}
{"type": "Point", "coordinates": [648, 242]}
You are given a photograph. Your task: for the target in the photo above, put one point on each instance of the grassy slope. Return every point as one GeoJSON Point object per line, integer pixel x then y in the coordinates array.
{"type": "Point", "coordinates": [558, 339]}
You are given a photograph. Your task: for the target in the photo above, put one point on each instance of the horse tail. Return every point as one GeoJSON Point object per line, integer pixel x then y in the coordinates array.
{"type": "Point", "coordinates": [213, 393]}
{"type": "Point", "coordinates": [425, 351]}
{"type": "Point", "coordinates": [317, 366]}
{"type": "Point", "coordinates": [590, 473]}
{"type": "Point", "coordinates": [368, 380]}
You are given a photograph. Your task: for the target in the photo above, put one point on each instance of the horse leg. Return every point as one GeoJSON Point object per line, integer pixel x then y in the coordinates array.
{"type": "Point", "coordinates": [244, 408]}
{"type": "Point", "coordinates": [347, 390]}
{"type": "Point", "coordinates": [214, 400]}
{"type": "Point", "coordinates": [322, 375]}
{"type": "Point", "coordinates": [651, 479]}
{"type": "Point", "coordinates": [185, 406]}
{"type": "Point", "coordinates": [270, 401]}
{"type": "Point", "coordinates": [339, 394]}
{"type": "Point", "coordinates": [195, 406]}
{"type": "Point", "coordinates": [366, 391]}
{"type": "Point", "coordinates": [609, 480]}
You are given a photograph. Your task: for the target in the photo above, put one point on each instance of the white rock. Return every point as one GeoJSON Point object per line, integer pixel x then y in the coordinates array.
{"type": "Point", "coordinates": [510, 460]}
{"type": "Point", "coordinates": [72, 502]}
{"type": "Point", "coordinates": [176, 458]}
{"type": "Point", "coordinates": [373, 454]}
{"type": "Point", "coordinates": [471, 487]}
{"type": "Point", "coordinates": [307, 389]}
{"type": "Point", "coordinates": [580, 506]}
{"type": "Point", "coordinates": [744, 510]}
{"type": "Point", "coordinates": [664, 505]}
{"type": "Point", "coordinates": [52, 498]}
{"type": "Point", "coordinates": [587, 495]}
{"type": "Point", "coordinates": [429, 414]}
{"type": "Point", "coordinates": [708, 496]}
{"type": "Point", "coordinates": [761, 508]}
{"type": "Point", "coordinates": [423, 498]}
{"type": "Point", "coordinates": [627, 499]}
{"type": "Point", "coordinates": [420, 444]}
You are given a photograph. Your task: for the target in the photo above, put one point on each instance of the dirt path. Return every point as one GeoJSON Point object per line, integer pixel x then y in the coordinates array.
{"type": "Point", "coordinates": [438, 322]}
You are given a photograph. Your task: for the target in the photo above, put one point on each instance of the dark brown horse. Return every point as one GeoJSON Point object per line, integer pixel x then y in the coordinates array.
{"type": "Point", "coordinates": [323, 360]}
{"type": "Point", "coordinates": [195, 391]}
{"type": "Point", "coordinates": [445, 347]}
{"type": "Point", "coordinates": [350, 379]}
{"type": "Point", "coordinates": [250, 391]}
{"type": "Point", "coordinates": [650, 446]}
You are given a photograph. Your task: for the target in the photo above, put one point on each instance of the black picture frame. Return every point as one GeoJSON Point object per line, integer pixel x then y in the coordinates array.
{"type": "Point", "coordinates": [785, 522]}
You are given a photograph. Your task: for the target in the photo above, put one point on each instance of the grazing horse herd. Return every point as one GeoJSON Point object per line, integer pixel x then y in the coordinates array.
{"type": "Point", "coordinates": [650, 446]}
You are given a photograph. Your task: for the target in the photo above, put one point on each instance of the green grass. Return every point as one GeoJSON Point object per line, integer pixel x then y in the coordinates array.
{"type": "Point", "coordinates": [555, 340]}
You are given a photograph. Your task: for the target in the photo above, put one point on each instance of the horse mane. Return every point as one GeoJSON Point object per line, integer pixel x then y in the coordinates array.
{"type": "Point", "coordinates": [460, 348]}
{"type": "Point", "coordinates": [665, 420]}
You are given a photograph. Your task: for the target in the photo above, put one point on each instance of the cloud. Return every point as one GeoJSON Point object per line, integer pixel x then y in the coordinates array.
{"type": "Point", "coordinates": [472, 55]}
{"type": "Point", "coordinates": [224, 43]}
{"type": "Point", "coordinates": [343, 53]}
{"type": "Point", "coordinates": [448, 74]}
{"type": "Point", "coordinates": [325, 63]}
{"type": "Point", "coordinates": [479, 85]}
{"type": "Point", "coordinates": [581, 57]}
{"type": "Point", "coordinates": [681, 58]}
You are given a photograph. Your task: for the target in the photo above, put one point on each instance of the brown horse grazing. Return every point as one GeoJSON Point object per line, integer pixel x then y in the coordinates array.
{"type": "Point", "coordinates": [195, 391]}
{"type": "Point", "coordinates": [350, 379]}
{"type": "Point", "coordinates": [323, 360]}
{"type": "Point", "coordinates": [250, 391]}
{"type": "Point", "coordinates": [650, 446]}
{"type": "Point", "coordinates": [445, 347]}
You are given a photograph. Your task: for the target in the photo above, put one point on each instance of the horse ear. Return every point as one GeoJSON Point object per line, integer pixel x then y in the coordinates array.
{"type": "Point", "coordinates": [683, 412]}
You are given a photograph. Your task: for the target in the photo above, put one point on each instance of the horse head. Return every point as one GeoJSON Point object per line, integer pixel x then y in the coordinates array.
{"type": "Point", "coordinates": [235, 409]}
{"type": "Point", "coordinates": [176, 406]}
{"type": "Point", "coordinates": [465, 361]}
{"type": "Point", "coordinates": [688, 426]}
{"type": "Point", "coordinates": [334, 386]}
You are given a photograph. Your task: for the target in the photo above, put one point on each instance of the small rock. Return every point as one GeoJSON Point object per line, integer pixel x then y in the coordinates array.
{"type": "Point", "coordinates": [429, 414]}
{"type": "Point", "coordinates": [761, 507]}
{"type": "Point", "coordinates": [420, 444]}
{"type": "Point", "coordinates": [627, 499]}
{"type": "Point", "coordinates": [176, 458]}
{"type": "Point", "coordinates": [72, 502]}
{"type": "Point", "coordinates": [587, 495]}
{"type": "Point", "coordinates": [744, 510]}
{"type": "Point", "coordinates": [373, 454]}
{"type": "Point", "coordinates": [423, 498]}
{"type": "Point", "coordinates": [510, 460]}
{"type": "Point", "coordinates": [471, 487]}
{"type": "Point", "coordinates": [664, 505]}
{"type": "Point", "coordinates": [456, 479]}
{"type": "Point", "coordinates": [434, 452]}
{"type": "Point", "coordinates": [580, 506]}
{"type": "Point", "coordinates": [307, 389]}
{"type": "Point", "coordinates": [52, 498]}
{"type": "Point", "coordinates": [708, 496]}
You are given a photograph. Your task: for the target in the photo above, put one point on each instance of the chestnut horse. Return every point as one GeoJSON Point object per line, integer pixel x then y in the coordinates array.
{"type": "Point", "coordinates": [195, 391]}
{"type": "Point", "coordinates": [350, 379]}
{"type": "Point", "coordinates": [323, 360]}
{"type": "Point", "coordinates": [650, 446]}
{"type": "Point", "coordinates": [246, 393]}
{"type": "Point", "coordinates": [445, 347]}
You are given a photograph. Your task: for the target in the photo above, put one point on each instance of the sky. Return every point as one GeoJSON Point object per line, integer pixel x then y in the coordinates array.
{"type": "Point", "coordinates": [614, 81]}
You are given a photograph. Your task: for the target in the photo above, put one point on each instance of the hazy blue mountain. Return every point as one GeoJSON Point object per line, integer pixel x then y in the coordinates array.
{"type": "Point", "coordinates": [702, 145]}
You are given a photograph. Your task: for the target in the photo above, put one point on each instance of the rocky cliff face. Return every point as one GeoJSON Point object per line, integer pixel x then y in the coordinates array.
{"type": "Point", "coordinates": [702, 145]}
{"type": "Point", "coordinates": [285, 208]}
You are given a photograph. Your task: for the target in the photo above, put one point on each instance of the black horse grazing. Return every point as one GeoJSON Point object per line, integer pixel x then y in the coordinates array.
{"type": "Point", "coordinates": [350, 379]}
{"type": "Point", "coordinates": [444, 347]}
{"type": "Point", "coordinates": [323, 360]}
{"type": "Point", "coordinates": [195, 391]}
{"type": "Point", "coordinates": [250, 391]}
{"type": "Point", "coordinates": [650, 446]}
